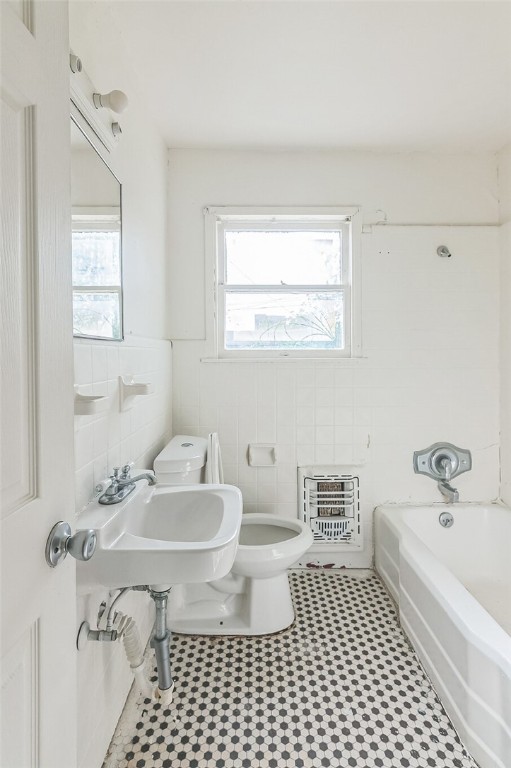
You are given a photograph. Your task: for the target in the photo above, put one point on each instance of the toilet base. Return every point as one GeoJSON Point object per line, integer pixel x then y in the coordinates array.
{"type": "Point", "coordinates": [236, 605]}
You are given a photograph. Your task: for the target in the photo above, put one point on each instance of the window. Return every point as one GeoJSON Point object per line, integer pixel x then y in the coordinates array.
{"type": "Point", "coordinates": [96, 240]}
{"type": "Point", "coordinates": [283, 284]}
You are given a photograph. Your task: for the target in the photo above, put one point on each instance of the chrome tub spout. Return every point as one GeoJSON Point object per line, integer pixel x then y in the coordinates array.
{"type": "Point", "coordinates": [449, 493]}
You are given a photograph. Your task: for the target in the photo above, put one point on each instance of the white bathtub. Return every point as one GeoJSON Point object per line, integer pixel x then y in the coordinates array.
{"type": "Point", "coordinates": [453, 588]}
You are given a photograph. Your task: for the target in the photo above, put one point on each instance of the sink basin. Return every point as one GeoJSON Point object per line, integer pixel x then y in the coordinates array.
{"type": "Point", "coordinates": [162, 535]}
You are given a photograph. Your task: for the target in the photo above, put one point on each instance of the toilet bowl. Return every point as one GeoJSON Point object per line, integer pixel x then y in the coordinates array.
{"type": "Point", "coordinates": [254, 598]}
{"type": "Point", "coordinates": [269, 544]}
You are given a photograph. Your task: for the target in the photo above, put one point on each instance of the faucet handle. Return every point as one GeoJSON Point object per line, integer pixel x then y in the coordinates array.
{"type": "Point", "coordinates": [447, 465]}
{"type": "Point", "coordinates": [126, 470]}
{"type": "Point", "coordinates": [116, 471]}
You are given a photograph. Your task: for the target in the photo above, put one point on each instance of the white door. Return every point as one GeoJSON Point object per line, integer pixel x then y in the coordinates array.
{"type": "Point", "coordinates": [38, 653]}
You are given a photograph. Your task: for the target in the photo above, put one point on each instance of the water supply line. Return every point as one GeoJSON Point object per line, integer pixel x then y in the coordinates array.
{"type": "Point", "coordinates": [135, 655]}
{"type": "Point", "coordinates": [126, 628]}
{"type": "Point", "coordinates": [113, 625]}
{"type": "Point", "coordinates": [110, 615]}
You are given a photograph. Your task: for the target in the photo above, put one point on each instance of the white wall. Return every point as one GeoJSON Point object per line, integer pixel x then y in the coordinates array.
{"type": "Point", "coordinates": [92, 184]}
{"type": "Point", "coordinates": [504, 165]}
{"type": "Point", "coordinates": [430, 326]}
{"type": "Point", "coordinates": [113, 438]}
{"type": "Point", "coordinates": [411, 188]}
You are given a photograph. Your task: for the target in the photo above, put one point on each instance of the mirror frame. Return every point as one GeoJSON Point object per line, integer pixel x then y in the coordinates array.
{"type": "Point", "coordinates": [100, 148]}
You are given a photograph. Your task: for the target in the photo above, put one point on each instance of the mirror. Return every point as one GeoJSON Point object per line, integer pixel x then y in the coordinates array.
{"type": "Point", "coordinates": [96, 242]}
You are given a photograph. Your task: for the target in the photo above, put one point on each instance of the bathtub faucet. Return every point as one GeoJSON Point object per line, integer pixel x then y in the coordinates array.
{"type": "Point", "coordinates": [446, 467]}
{"type": "Point", "coordinates": [443, 462]}
{"type": "Point", "coordinates": [449, 493]}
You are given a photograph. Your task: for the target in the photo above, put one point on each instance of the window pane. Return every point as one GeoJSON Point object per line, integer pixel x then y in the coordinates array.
{"type": "Point", "coordinates": [283, 258]}
{"type": "Point", "coordinates": [96, 258]}
{"type": "Point", "coordinates": [97, 314]}
{"type": "Point", "coordinates": [283, 321]}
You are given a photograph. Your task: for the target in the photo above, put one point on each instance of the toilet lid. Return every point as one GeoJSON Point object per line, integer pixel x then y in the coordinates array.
{"type": "Point", "coordinates": [260, 534]}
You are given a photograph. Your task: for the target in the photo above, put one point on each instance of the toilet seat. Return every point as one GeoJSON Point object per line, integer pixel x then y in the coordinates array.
{"type": "Point", "coordinates": [263, 530]}
{"type": "Point", "coordinates": [269, 544]}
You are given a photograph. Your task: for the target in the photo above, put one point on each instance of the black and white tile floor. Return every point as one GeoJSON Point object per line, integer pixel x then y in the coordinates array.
{"type": "Point", "coordinates": [340, 688]}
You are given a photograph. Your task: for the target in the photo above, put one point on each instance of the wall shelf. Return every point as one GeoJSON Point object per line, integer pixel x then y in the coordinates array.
{"type": "Point", "coordinates": [90, 405]}
{"type": "Point", "coordinates": [129, 389]}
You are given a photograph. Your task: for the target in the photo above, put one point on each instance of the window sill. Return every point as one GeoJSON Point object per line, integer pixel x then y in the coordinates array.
{"type": "Point", "coordinates": [283, 359]}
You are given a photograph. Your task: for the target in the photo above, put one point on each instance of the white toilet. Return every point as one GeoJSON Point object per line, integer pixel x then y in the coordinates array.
{"type": "Point", "coordinates": [254, 598]}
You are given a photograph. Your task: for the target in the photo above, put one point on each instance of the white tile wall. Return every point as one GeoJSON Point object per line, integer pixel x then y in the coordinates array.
{"type": "Point", "coordinates": [102, 442]}
{"type": "Point", "coordinates": [114, 437]}
{"type": "Point", "coordinates": [429, 373]}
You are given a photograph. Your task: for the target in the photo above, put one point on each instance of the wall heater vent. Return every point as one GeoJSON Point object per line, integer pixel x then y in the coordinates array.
{"type": "Point", "coordinates": [330, 505]}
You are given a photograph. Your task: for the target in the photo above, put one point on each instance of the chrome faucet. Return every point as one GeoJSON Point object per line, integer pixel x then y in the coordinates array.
{"type": "Point", "coordinates": [449, 493]}
{"type": "Point", "coordinates": [122, 484]}
{"type": "Point", "coordinates": [443, 462]}
{"type": "Point", "coordinates": [446, 467]}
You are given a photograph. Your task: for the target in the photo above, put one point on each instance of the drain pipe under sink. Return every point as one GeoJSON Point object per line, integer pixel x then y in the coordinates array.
{"type": "Point", "coordinates": [160, 641]}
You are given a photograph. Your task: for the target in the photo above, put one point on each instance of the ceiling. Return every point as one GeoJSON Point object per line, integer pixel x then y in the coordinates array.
{"type": "Point", "coordinates": [383, 76]}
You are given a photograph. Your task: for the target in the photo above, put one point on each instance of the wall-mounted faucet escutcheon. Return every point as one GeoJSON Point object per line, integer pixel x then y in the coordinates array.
{"type": "Point", "coordinates": [442, 462]}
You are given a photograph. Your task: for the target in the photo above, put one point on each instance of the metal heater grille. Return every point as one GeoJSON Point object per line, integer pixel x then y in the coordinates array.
{"type": "Point", "coordinates": [331, 507]}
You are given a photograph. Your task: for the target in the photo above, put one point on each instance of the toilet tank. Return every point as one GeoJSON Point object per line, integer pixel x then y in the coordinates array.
{"type": "Point", "coordinates": [182, 461]}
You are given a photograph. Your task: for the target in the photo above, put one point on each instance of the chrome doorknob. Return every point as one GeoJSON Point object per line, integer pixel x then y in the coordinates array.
{"type": "Point", "coordinates": [82, 545]}
{"type": "Point", "coordinates": [60, 542]}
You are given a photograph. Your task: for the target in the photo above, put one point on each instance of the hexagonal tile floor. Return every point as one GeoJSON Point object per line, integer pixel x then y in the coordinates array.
{"type": "Point", "coordinates": [340, 688]}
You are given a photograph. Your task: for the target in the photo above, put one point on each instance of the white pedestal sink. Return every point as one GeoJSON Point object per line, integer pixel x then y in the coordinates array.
{"type": "Point", "coordinates": [162, 535]}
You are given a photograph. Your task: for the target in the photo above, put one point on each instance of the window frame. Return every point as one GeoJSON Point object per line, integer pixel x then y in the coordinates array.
{"type": "Point", "coordinates": [220, 219]}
